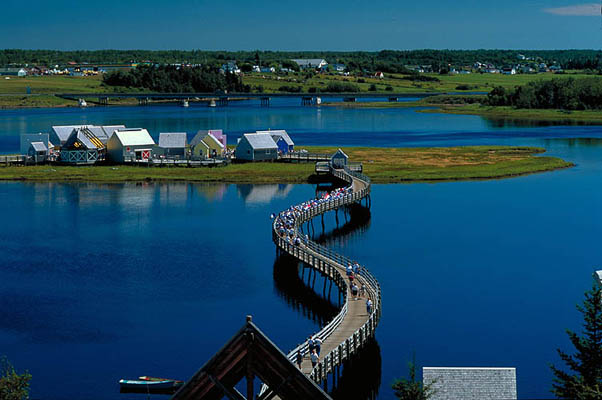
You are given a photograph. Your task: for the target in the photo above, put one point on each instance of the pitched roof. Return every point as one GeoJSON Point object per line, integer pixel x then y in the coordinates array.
{"type": "Point", "coordinates": [90, 142]}
{"type": "Point", "coordinates": [198, 137]}
{"type": "Point", "coordinates": [172, 140]}
{"type": "Point", "coordinates": [64, 131]}
{"type": "Point", "coordinates": [218, 133]}
{"type": "Point", "coordinates": [471, 383]}
{"type": "Point", "coordinates": [109, 129]}
{"type": "Point", "coordinates": [212, 138]}
{"type": "Point", "coordinates": [249, 350]}
{"type": "Point", "coordinates": [134, 137]}
{"type": "Point", "coordinates": [99, 133]}
{"type": "Point", "coordinates": [338, 153]}
{"type": "Point", "coordinates": [309, 61]}
{"type": "Point", "coordinates": [38, 146]}
{"type": "Point", "coordinates": [279, 133]}
{"type": "Point", "coordinates": [260, 141]}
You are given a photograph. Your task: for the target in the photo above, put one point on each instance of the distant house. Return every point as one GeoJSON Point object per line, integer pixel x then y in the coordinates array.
{"type": "Point", "coordinates": [126, 145]}
{"type": "Point", "coordinates": [230, 67]}
{"type": "Point", "coordinates": [82, 147]}
{"type": "Point", "coordinates": [28, 138]}
{"type": "Point", "coordinates": [338, 67]}
{"type": "Point", "coordinates": [208, 144]}
{"type": "Point", "coordinates": [37, 152]}
{"type": "Point", "coordinates": [339, 159]}
{"type": "Point", "coordinates": [306, 63]}
{"type": "Point", "coordinates": [509, 71]}
{"type": "Point", "coordinates": [379, 75]}
{"type": "Point", "coordinates": [267, 70]}
{"type": "Point", "coordinates": [172, 144]}
{"type": "Point", "coordinates": [256, 68]}
{"type": "Point", "coordinates": [256, 147]}
{"type": "Point", "coordinates": [282, 140]}
{"type": "Point", "coordinates": [13, 72]}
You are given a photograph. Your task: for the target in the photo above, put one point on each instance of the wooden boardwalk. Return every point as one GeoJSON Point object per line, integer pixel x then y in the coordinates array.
{"type": "Point", "coordinates": [352, 327]}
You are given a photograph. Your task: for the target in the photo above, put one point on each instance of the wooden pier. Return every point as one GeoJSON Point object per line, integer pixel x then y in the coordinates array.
{"type": "Point", "coordinates": [353, 326]}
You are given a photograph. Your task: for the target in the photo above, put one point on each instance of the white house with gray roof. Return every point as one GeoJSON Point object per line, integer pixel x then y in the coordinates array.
{"type": "Point", "coordinates": [128, 145]}
{"type": "Point", "coordinates": [256, 147]}
{"type": "Point", "coordinates": [476, 383]}
{"type": "Point", "coordinates": [305, 63]}
{"type": "Point", "coordinates": [172, 144]}
{"type": "Point", "coordinates": [282, 139]}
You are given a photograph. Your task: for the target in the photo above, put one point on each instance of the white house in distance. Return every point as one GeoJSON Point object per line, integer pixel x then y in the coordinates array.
{"type": "Point", "coordinates": [130, 145]}
{"type": "Point", "coordinates": [282, 140]}
{"type": "Point", "coordinates": [256, 147]}
{"type": "Point", "coordinates": [305, 63]}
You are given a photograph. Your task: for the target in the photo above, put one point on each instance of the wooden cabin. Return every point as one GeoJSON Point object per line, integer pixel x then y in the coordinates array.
{"type": "Point", "coordinates": [256, 147]}
{"type": "Point", "coordinates": [38, 152]}
{"type": "Point", "coordinates": [130, 145]}
{"type": "Point", "coordinates": [339, 159]}
{"type": "Point", "coordinates": [206, 145]}
{"type": "Point", "coordinates": [172, 145]}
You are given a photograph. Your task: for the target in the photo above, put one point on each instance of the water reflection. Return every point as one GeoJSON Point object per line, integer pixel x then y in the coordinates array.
{"type": "Point", "coordinates": [498, 122]}
{"type": "Point", "coordinates": [361, 377]}
{"type": "Point", "coordinates": [263, 194]}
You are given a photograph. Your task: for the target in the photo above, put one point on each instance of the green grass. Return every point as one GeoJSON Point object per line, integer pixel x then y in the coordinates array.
{"type": "Point", "coordinates": [383, 165]}
{"type": "Point", "coordinates": [52, 84]}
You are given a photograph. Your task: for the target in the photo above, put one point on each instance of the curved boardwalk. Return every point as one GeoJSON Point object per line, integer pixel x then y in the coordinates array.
{"type": "Point", "coordinates": [351, 328]}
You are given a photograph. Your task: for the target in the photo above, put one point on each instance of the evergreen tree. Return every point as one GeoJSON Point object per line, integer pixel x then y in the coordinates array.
{"type": "Point", "coordinates": [411, 389]}
{"type": "Point", "coordinates": [584, 379]}
{"type": "Point", "coordinates": [13, 386]}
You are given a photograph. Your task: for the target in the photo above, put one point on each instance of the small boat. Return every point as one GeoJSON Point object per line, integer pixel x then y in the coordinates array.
{"type": "Point", "coordinates": [82, 103]}
{"type": "Point", "coordinates": [150, 385]}
{"type": "Point", "coordinates": [185, 103]}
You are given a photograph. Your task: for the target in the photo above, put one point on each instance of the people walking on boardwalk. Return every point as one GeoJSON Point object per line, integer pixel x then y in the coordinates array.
{"type": "Point", "coordinates": [369, 306]}
{"type": "Point", "coordinates": [299, 358]}
{"type": "Point", "coordinates": [311, 344]}
{"type": "Point", "coordinates": [349, 270]}
{"type": "Point", "coordinates": [363, 290]}
{"type": "Point", "coordinates": [356, 268]}
{"type": "Point", "coordinates": [315, 359]}
{"type": "Point", "coordinates": [351, 277]}
{"type": "Point", "coordinates": [317, 344]}
{"type": "Point", "coordinates": [354, 290]}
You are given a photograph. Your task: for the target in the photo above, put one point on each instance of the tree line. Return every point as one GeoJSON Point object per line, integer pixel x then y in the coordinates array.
{"type": "Point", "coordinates": [391, 61]}
{"type": "Point", "coordinates": [562, 94]}
{"type": "Point", "coordinates": [171, 79]}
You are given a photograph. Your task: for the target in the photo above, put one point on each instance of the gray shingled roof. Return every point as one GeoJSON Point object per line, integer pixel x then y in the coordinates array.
{"type": "Point", "coordinates": [280, 133]}
{"type": "Point", "coordinates": [109, 129]}
{"type": "Point", "coordinates": [198, 137]}
{"type": "Point", "coordinates": [63, 132]}
{"type": "Point", "coordinates": [39, 146]}
{"type": "Point", "coordinates": [78, 134]}
{"type": "Point", "coordinates": [172, 140]}
{"type": "Point", "coordinates": [471, 383]}
{"type": "Point", "coordinates": [260, 141]}
{"type": "Point", "coordinates": [99, 133]}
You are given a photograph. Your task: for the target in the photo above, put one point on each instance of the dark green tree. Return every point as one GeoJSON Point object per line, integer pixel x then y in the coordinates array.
{"type": "Point", "coordinates": [411, 389]}
{"type": "Point", "coordinates": [583, 380]}
{"type": "Point", "coordinates": [13, 386]}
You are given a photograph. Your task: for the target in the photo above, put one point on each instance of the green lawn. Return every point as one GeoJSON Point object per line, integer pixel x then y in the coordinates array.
{"type": "Point", "coordinates": [383, 165]}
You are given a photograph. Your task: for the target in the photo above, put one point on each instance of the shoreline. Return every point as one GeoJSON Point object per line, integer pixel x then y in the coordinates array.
{"type": "Point", "coordinates": [383, 165]}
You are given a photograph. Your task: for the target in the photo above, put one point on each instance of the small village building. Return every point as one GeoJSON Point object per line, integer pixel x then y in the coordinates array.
{"type": "Point", "coordinates": [219, 135]}
{"type": "Point", "coordinates": [305, 63]}
{"type": "Point", "coordinates": [208, 144]}
{"type": "Point", "coordinates": [339, 67]}
{"type": "Point", "coordinates": [82, 147]}
{"type": "Point", "coordinates": [28, 138]}
{"type": "Point", "coordinates": [282, 140]}
{"type": "Point", "coordinates": [214, 147]}
{"type": "Point", "coordinates": [339, 159]}
{"type": "Point", "coordinates": [256, 147]}
{"type": "Point", "coordinates": [38, 152]}
{"type": "Point", "coordinates": [110, 129]}
{"type": "Point", "coordinates": [13, 72]}
{"type": "Point", "coordinates": [173, 144]}
{"type": "Point", "coordinates": [379, 75]}
{"type": "Point", "coordinates": [129, 145]}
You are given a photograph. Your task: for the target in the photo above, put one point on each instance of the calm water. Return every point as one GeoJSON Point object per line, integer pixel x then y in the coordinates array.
{"type": "Point", "coordinates": [101, 282]}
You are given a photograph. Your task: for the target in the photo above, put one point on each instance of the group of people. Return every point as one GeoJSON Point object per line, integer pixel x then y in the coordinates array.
{"type": "Point", "coordinates": [314, 345]}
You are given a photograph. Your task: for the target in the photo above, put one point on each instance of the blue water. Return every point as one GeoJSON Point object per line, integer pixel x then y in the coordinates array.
{"type": "Point", "coordinates": [102, 282]}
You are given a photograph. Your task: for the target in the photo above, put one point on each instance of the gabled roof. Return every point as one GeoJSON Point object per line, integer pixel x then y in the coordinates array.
{"type": "Point", "coordinates": [218, 133]}
{"type": "Point", "coordinates": [211, 138]}
{"type": "Point", "coordinates": [198, 137]}
{"type": "Point", "coordinates": [260, 141]}
{"type": "Point", "coordinates": [249, 351]}
{"type": "Point", "coordinates": [339, 153]}
{"type": "Point", "coordinates": [90, 142]}
{"type": "Point", "coordinates": [38, 146]}
{"type": "Point", "coordinates": [109, 129]}
{"type": "Point", "coordinates": [134, 137]}
{"type": "Point", "coordinates": [172, 140]}
{"type": "Point", "coordinates": [471, 383]}
{"type": "Point", "coordinates": [279, 133]}
{"type": "Point", "coordinates": [64, 131]}
{"type": "Point", "coordinates": [99, 133]}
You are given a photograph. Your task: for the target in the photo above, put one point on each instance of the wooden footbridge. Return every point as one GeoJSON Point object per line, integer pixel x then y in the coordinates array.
{"type": "Point", "coordinates": [353, 326]}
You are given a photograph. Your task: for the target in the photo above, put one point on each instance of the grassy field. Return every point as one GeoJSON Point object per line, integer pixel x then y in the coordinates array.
{"type": "Point", "coordinates": [383, 165]}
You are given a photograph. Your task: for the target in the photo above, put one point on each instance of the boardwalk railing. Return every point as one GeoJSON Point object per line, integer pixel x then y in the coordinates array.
{"type": "Point", "coordinates": [330, 264]}
{"type": "Point", "coordinates": [305, 156]}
